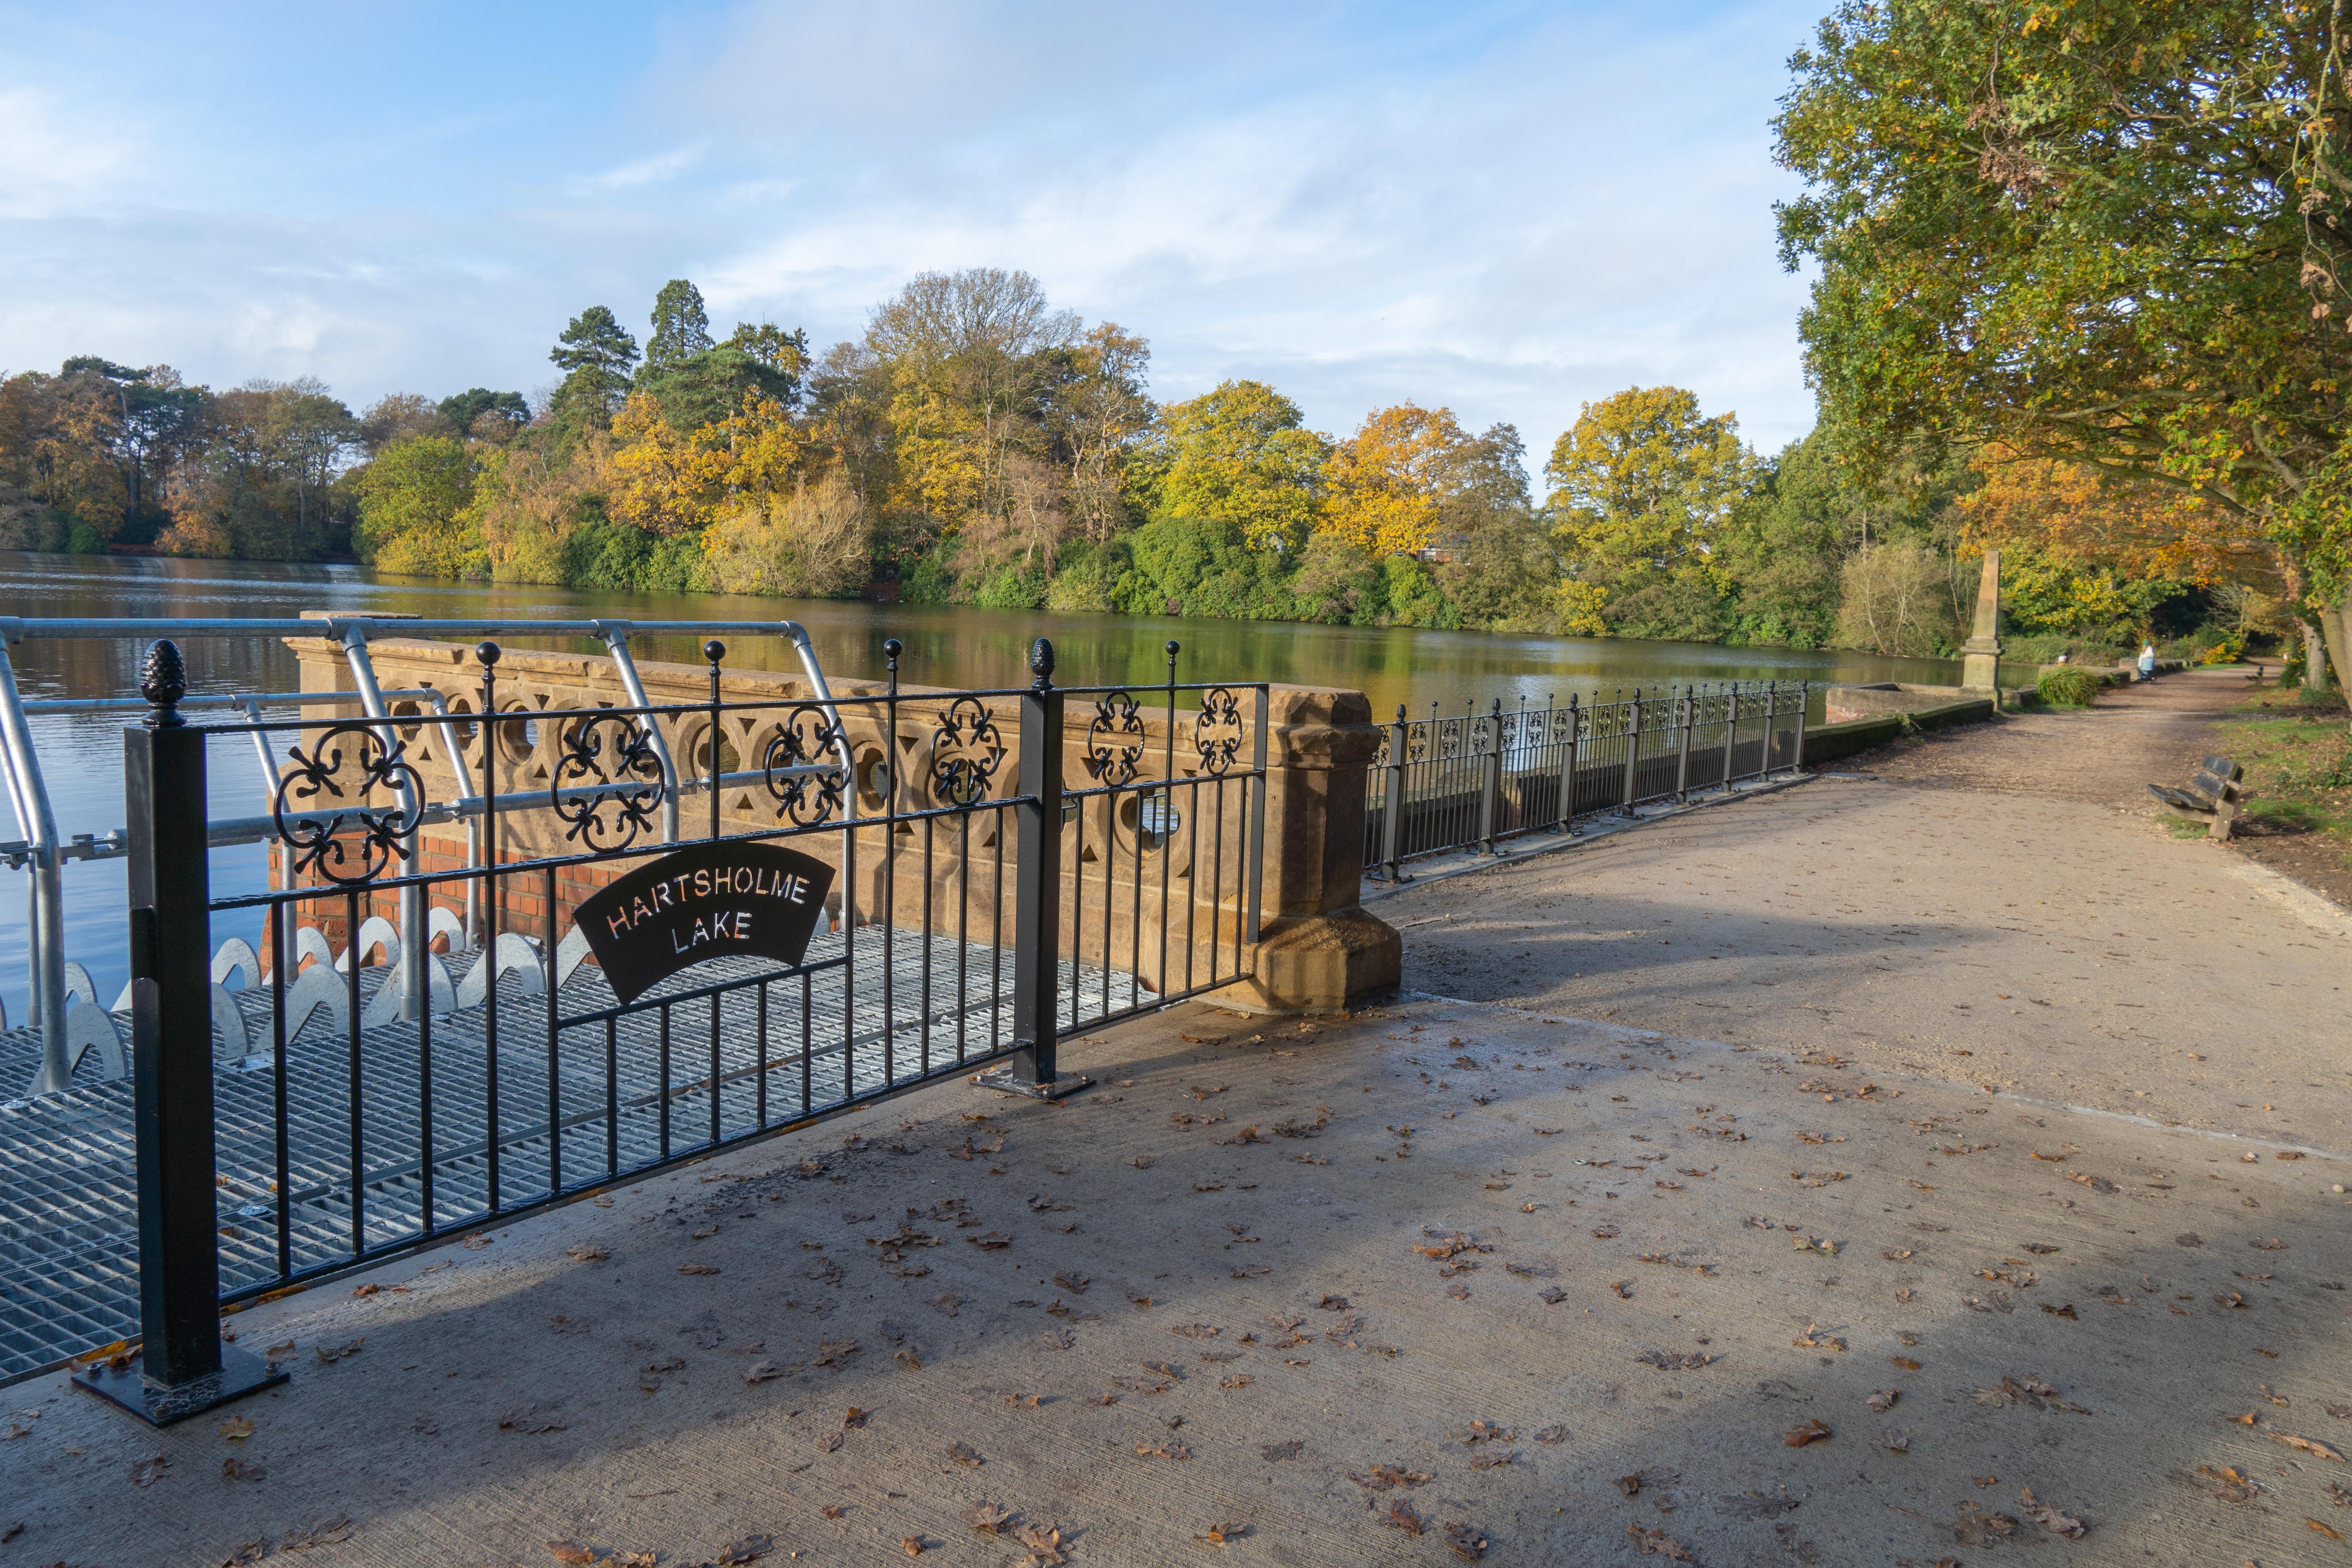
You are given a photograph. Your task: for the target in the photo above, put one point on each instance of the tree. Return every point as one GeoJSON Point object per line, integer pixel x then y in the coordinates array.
{"type": "Point", "coordinates": [485, 415]}
{"type": "Point", "coordinates": [1387, 484]}
{"type": "Point", "coordinates": [415, 509]}
{"type": "Point", "coordinates": [1239, 455]}
{"type": "Point", "coordinates": [594, 355]}
{"type": "Point", "coordinates": [156, 420]}
{"type": "Point", "coordinates": [681, 327]}
{"type": "Point", "coordinates": [1096, 411]}
{"type": "Point", "coordinates": [2112, 234]}
{"type": "Point", "coordinates": [1643, 485]}
{"type": "Point", "coordinates": [397, 415]}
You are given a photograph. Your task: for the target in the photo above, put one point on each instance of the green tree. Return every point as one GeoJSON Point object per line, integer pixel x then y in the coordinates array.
{"type": "Point", "coordinates": [506, 411]}
{"type": "Point", "coordinates": [681, 327]}
{"type": "Point", "coordinates": [1643, 485]}
{"type": "Point", "coordinates": [595, 353]}
{"type": "Point", "coordinates": [415, 509]}
{"type": "Point", "coordinates": [2112, 234]}
{"type": "Point", "coordinates": [1241, 455]}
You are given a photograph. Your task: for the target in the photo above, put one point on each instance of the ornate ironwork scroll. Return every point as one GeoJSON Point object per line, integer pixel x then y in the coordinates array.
{"type": "Point", "coordinates": [806, 790]}
{"type": "Point", "coordinates": [1217, 733]}
{"type": "Point", "coordinates": [328, 846]}
{"type": "Point", "coordinates": [622, 754]}
{"type": "Point", "coordinates": [965, 751]}
{"type": "Point", "coordinates": [1111, 756]}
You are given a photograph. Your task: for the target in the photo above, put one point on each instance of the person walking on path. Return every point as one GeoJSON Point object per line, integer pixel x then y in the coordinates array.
{"type": "Point", "coordinates": [2147, 661]}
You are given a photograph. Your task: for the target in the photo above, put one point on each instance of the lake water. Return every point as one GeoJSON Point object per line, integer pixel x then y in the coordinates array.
{"type": "Point", "coordinates": [81, 756]}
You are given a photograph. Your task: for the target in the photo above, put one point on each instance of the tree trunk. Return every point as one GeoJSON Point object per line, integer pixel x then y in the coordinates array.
{"type": "Point", "coordinates": [2315, 657]}
{"type": "Point", "coordinates": [2335, 620]}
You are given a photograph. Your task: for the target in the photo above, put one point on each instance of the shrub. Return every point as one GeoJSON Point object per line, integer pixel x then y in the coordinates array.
{"type": "Point", "coordinates": [2068, 688]}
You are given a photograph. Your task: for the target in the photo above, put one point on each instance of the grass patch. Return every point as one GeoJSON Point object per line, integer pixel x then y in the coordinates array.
{"type": "Point", "coordinates": [2297, 755]}
{"type": "Point", "coordinates": [2182, 827]}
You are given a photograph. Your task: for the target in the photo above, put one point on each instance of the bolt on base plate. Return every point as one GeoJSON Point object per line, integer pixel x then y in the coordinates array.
{"type": "Point", "coordinates": [241, 1374]}
{"type": "Point", "coordinates": [1062, 1085]}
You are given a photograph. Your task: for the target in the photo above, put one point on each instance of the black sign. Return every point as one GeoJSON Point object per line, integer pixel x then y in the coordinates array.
{"type": "Point", "coordinates": [710, 900]}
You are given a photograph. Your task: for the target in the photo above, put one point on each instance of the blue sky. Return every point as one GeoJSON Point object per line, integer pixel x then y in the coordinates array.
{"type": "Point", "coordinates": [1504, 209]}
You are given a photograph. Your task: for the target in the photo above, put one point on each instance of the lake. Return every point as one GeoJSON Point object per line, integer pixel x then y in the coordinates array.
{"type": "Point", "coordinates": [945, 646]}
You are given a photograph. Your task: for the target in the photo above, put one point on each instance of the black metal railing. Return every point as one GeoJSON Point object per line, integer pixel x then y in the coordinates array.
{"type": "Point", "coordinates": [1440, 783]}
{"type": "Point", "coordinates": [978, 914]}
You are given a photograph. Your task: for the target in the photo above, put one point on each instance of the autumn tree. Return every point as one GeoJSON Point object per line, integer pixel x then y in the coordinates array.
{"type": "Point", "coordinates": [1642, 484]}
{"type": "Point", "coordinates": [1242, 456]}
{"type": "Point", "coordinates": [1386, 486]}
{"type": "Point", "coordinates": [414, 500]}
{"type": "Point", "coordinates": [2111, 234]}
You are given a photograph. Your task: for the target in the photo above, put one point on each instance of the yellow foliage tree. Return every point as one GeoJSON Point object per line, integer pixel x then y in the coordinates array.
{"type": "Point", "coordinates": [663, 481]}
{"type": "Point", "coordinates": [1388, 481]}
{"type": "Point", "coordinates": [2089, 518]}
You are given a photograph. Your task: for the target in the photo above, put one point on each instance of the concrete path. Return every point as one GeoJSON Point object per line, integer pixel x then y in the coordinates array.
{"type": "Point", "coordinates": [1996, 905]}
{"type": "Point", "coordinates": [1754, 1270]}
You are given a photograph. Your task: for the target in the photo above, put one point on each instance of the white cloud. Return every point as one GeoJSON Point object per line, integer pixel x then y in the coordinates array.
{"type": "Point", "coordinates": [654, 170]}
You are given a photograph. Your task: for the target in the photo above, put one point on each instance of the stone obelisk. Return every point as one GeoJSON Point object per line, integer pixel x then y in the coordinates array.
{"type": "Point", "coordinates": [1981, 654]}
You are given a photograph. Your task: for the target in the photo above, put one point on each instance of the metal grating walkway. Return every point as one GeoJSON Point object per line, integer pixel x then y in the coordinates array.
{"type": "Point", "coordinates": [69, 1207]}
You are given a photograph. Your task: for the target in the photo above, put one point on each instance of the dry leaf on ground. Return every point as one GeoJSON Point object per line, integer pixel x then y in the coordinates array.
{"type": "Point", "coordinates": [570, 1552]}
{"type": "Point", "coordinates": [986, 1518]}
{"type": "Point", "coordinates": [2049, 1518]}
{"type": "Point", "coordinates": [1659, 1543]}
{"type": "Point", "coordinates": [1812, 1431]}
{"type": "Point", "coordinates": [965, 1454]}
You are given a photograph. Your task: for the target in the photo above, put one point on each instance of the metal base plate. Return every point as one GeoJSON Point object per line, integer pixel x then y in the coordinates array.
{"type": "Point", "coordinates": [241, 1374]}
{"type": "Point", "coordinates": [1002, 1081]}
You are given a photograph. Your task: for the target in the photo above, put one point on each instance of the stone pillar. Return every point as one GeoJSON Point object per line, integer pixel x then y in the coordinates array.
{"type": "Point", "coordinates": [1318, 950]}
{"type": "Point", "coordinates": [1981, 654]}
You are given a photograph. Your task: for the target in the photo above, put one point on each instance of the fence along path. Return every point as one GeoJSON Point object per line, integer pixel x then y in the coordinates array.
{"type": "Point", "coordinates": [1450, 783]}
{"type": "Point", "coordinates": [390, 1119]}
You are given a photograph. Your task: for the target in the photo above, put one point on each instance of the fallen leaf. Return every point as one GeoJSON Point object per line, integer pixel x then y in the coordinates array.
{"type": "Point", "coordinates": [750, 1549]}
{"type": "Point", "coordinates": [1218, 1534]}
{"type": "Point", "coordinates": [964, 1454]}
{"type": "Point", "coordinates": [1469, 1544]}
{"type": "Point", "coordinates": [1399, 1515]}
{"type": "Point", "coordinates": [986, 1518]}
{"type": "Point", "coordinates": [2307, 1445]}
{"type": "Point", "coordinates": [1884, 1400]}
{"type": "Point", "coordinates": [584, 1253]}
{"type": "Point", "coordinates": [2332, 1533]}
{"type": "Point", "coordinates": [697, 1268]}
{"type": "Point", "coordinates": [2049, 1518]}
{"type": "Point", "coordinates": [912, 1545]}
{"type": "Point", "coordinates": [568, 1552]}
{"type": "Point", "coordinates": [147, 1472]}
{"type": "Point", "coordinates": [237, 1429]}
{"type": "Point", "coordinates": [1811, 1432]}
{"type": "Point", "coordinates": [1659, 1543]}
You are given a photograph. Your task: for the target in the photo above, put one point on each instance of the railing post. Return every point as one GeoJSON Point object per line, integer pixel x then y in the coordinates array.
{"type": "Point", "coordinates": [1682, 764]}
{"type": "Point", "coordinates": [1632, 749]}
{"type": "Point", "coordinates": [1568, 767]}
{"type": "Point", "coordinates": [1393, 817]}
{"type": "Point", "coordinates": [1730, 735]}
{"type": "Point", "coordinates": [1037, 897]}
{"type": "Point", "coordinates": [1771, 731]}
{"type": "Point", "coordinates": [1490, 782]}
{"type": "Point", "coordinates": [181, 1368]}
{"type": "Point", "coordinates": [1804, 700]}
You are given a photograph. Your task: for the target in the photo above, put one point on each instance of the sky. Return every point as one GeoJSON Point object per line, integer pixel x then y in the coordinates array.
{"type": "Point", "coordinates": [1507, 210]}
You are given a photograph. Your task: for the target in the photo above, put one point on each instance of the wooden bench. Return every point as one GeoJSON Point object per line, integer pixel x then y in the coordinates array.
{"type": "Point", "coordinates": [2211, 797]}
